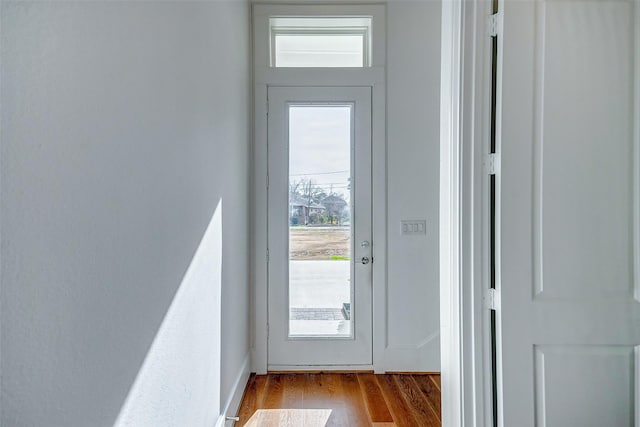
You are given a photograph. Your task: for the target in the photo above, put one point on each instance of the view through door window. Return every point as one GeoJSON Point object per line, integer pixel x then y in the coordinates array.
{"type": "Point", "coordinates": [320, 218]}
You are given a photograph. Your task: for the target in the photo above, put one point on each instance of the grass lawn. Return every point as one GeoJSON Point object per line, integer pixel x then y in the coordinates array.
{"type": "Point", "coordinates": [319, 243]}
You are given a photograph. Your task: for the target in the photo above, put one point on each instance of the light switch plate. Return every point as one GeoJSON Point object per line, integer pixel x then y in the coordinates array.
{"type": "Point", "coordinates": [412, 227]}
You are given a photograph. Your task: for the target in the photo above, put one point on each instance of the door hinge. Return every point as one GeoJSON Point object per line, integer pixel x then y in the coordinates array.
{"type": "Point", "coordinates": [267, 181]}
{"type": "Point", "coordinates": [267, 255]}
{"type": "Point", "coordinates": [492, 163]}
{"type": "Point", "coordinates": [494, 25]}
{"type": "Point", "coordinates": [493, 299]}
{"type": "Point", "coordinates": [267, 107]}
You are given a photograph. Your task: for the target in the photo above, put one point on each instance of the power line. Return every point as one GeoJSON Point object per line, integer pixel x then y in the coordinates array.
{"type": "Point", "coordinates": [328, 186]}
{"type": "Point", "coordinates": [317, 173]}
{"type": "Point", "coordinates": [319, 184]}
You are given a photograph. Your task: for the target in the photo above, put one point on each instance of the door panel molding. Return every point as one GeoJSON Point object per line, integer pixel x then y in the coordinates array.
{"type": "Point", "coordinates": [563, 174]}
{"type": "Point", "coordinates": [606, 374]}
{"type": "Point", "coordinates": [569, 212]}
{"type": "Point", "coordinates": [635, 14]}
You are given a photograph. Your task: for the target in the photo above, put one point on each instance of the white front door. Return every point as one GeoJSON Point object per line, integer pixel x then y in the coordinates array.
{"type": "Point", "coordinates": [569, 319]}
{"type": "Point", "coordinates": [319, 227]}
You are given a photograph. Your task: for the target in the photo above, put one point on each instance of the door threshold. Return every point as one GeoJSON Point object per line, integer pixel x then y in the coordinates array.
{"type": "Point", "coordinates": [316, 369]}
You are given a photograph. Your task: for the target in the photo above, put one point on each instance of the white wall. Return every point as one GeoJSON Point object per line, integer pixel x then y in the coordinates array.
{"type": "Point", "coordinates": [179, 382]}
{"type": "Point", "coordinates": [123, 126]}
{"type": "Point", "coordinates": [413, 120]}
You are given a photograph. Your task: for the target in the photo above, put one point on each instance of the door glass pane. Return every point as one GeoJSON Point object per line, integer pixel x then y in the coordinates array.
{"type": "Point", "coordinates": [320, 285]}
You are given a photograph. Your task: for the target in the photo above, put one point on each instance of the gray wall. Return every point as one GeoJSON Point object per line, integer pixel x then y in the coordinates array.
{"type": "Point", "coordinates": [123, 125]}
{"type": "Point", "coordinates": [413, 165]}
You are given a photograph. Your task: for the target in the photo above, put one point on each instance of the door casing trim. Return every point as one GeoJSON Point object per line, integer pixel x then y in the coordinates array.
{"type": "Point", "coordinates": [264, 77]}
{"type": "Point", "coordinates": [464, 138]}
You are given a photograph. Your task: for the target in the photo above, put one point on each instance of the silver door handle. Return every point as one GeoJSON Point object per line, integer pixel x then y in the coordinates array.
{"type": "Point", "coordinates": [365, 260]}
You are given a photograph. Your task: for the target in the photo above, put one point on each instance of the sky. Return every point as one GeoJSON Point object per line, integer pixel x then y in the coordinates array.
{"type": "Point", "coordinates": [319, 146]}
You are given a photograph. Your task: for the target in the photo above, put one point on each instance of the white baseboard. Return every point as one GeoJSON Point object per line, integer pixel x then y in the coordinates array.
{"type": "Point", "coordinates": [422, 357]}
{"type": "Point", "coordinates": [232, 405]}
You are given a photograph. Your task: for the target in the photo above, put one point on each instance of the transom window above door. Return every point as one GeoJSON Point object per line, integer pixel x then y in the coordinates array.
{"type": "Point", "coordinates": [320, 41]}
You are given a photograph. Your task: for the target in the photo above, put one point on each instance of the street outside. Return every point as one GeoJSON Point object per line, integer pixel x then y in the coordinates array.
{"type": "Point", "coordinates": [319, 284]}
{"type": "Point", "coordinates": [319, 277]}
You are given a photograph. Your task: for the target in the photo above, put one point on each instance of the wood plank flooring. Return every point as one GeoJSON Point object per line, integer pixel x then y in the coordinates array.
{"type": "Point", "coordinates": [341, 399]}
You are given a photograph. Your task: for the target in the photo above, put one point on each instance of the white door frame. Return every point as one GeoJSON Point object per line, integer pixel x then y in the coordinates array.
{"type": "Point", "coordinates": [464, 138]}
{"type": "Point", "coordinates": [379, 199]}
{"type": "Point", "coordinates": [309, 352]}
{"type": "Point", "coordinates": [265, 76]}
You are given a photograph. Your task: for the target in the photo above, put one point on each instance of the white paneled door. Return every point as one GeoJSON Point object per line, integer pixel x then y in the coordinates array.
{"type": "Point", "coordinates": [569, 319]}
{"type": "Point", "coordinates": [319, 227]}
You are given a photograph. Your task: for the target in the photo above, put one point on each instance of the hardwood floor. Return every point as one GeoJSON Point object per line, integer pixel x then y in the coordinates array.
{"type": "Point", "coordinates": [341, 399]}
